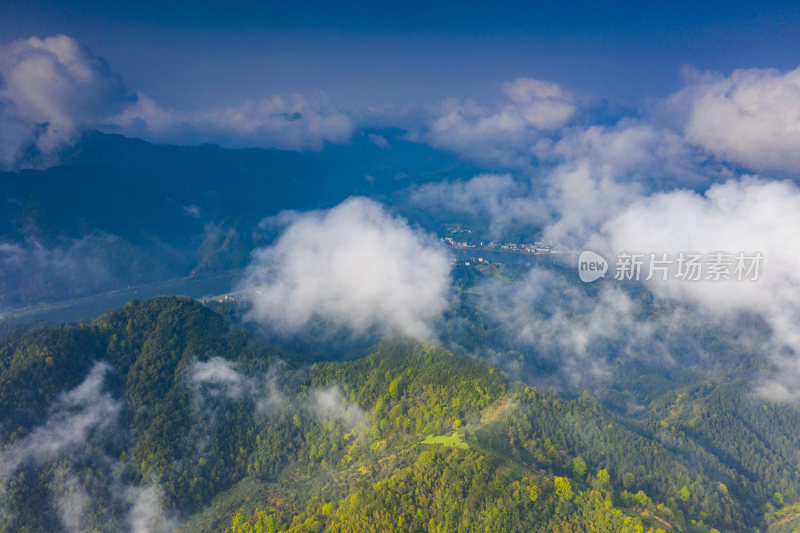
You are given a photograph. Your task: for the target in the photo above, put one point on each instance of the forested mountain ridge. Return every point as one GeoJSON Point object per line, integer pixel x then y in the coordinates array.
{"type": "Point", "coordinates": [163, 412]}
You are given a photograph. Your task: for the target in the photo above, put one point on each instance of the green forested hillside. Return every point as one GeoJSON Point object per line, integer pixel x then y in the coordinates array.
{"type": "Point", "coordinates": [165, 414]}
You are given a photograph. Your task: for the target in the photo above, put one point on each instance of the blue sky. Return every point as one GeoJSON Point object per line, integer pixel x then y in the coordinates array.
{"type": "Point", "coordinates": [197, 55]}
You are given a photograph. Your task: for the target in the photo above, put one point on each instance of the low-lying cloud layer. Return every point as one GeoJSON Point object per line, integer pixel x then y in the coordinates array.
{"type": "Point", "coordinates": [354, 267]}
{"type": "Point", "coordinates": [648, 185]}
{"type": "Point", "coordinates": [745, 215]}
{"type": "Point", "coordinates": [749, 118]}
{"type": "Point", "coordinates": [588, 204]}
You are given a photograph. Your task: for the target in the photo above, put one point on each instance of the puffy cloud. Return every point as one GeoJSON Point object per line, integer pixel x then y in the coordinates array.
{"type": "Point", "coordinates": [638, 186]}
{"type": "Point", "coordinates": [504, 135]}
{"type": "Point", "coordinates": [740, 215]}
{"type": "Point", "coordinates": [634, 151]}
{"type": "Point", "coordinates": [581, 198]}
{"type": "Point", "coordinates": [73, 418]}
{"type": "Point", "coordinates": [583, 176]}
{"type": "Point", "coordinates": [544, 310]}
{"type": "Point", "coordinates": [354, 267]}
{"type": "Point", "coordinates": [598, 171]}
{"type": "Point", "coordinates": [50, 89]}
{"type": "Point", "coordinates": [542, 104]}
{"type": "Point", "coordinates": [745, 215]}
{"type": "Point", "coordinates": [621, 189]}
{"type": "Point", "coordinates": [17, 138]}
{"type": "Point", "coordinates": [633, 186]}
{"type": "Point", "coordinates": [144, 118]}
{"type": "Point", "coordinates": [582, 328]}
{"type": "Point", "coordinates": [751, 118]}
{"type": "Point", "coordinates": [56, 80]}
{"type": "Point", "coordinates": [603, 212]}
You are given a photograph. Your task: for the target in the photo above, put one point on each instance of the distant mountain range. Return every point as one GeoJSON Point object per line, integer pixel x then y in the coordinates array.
{"type": "Point", "coordinates": [121, 212]}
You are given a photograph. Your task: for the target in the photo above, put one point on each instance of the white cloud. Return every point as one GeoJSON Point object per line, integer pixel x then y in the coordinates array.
{"type": "Point", "coordinates": [504, 135]}
{"type": "Point", "coordinates": [583, 176]}
{"type": "Point", "coordinates": [296, 123]}
{"type": "Point", "coordinates": [191, 210]}
{"type": "Point", "coordinates": [329, 404]}
{"type": "Point", "coordinates": [750, 118]}
{"type": "Point", "coordinates": [543, 105]}
{"type": "Point", "coordinates": [57, 81]}
{"type": "Point", "coordinates": [144, 118]}
{"type": "Point", "coordinates": [72, 500]}
{"type": "Point", "coordinates": [580, 198]}
{"type": "Point", "coordinates": [219, 377]}
{"type": "Point", "coordinates": [17, 138]}
{"type": "Point", "coordinates": [632, 186]}
{"type": "Point", "coordinates": [74, 420]}
{"type": "Point", "coordinates": [633, 151]}
{"type": "Point", "coordinates": [563, 322]}
{"type": "Point", "coordinates": [51, 88]}
{"type": "Point", "coordinates": [270, 395]}
{"type": "Point", "coordinates": [740, 215]}
{"type": "Point", "coordinates": [603, 212]}
{"type": "Point", "coordinates": [598, 171]}
{"type": "Point", "coordinates": [146, 514]}
{"type": "Point", "coordinates": [498, 196]}
{"type": "Point", "coordinates": [355, 267]}
{"type": "Point", "coordinates": [745, 215]}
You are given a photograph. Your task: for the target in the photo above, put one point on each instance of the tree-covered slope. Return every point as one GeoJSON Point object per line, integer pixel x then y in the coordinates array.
{"type": "Point", "coordinates": [163, 414]}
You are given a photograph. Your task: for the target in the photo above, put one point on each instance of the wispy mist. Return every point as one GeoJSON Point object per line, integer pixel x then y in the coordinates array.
{"type": "Point", "coordinates": [74, 417]}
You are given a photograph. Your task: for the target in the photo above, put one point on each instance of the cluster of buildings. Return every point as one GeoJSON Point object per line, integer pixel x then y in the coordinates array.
{"type": "Point", "coordinates": [535, 248]}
